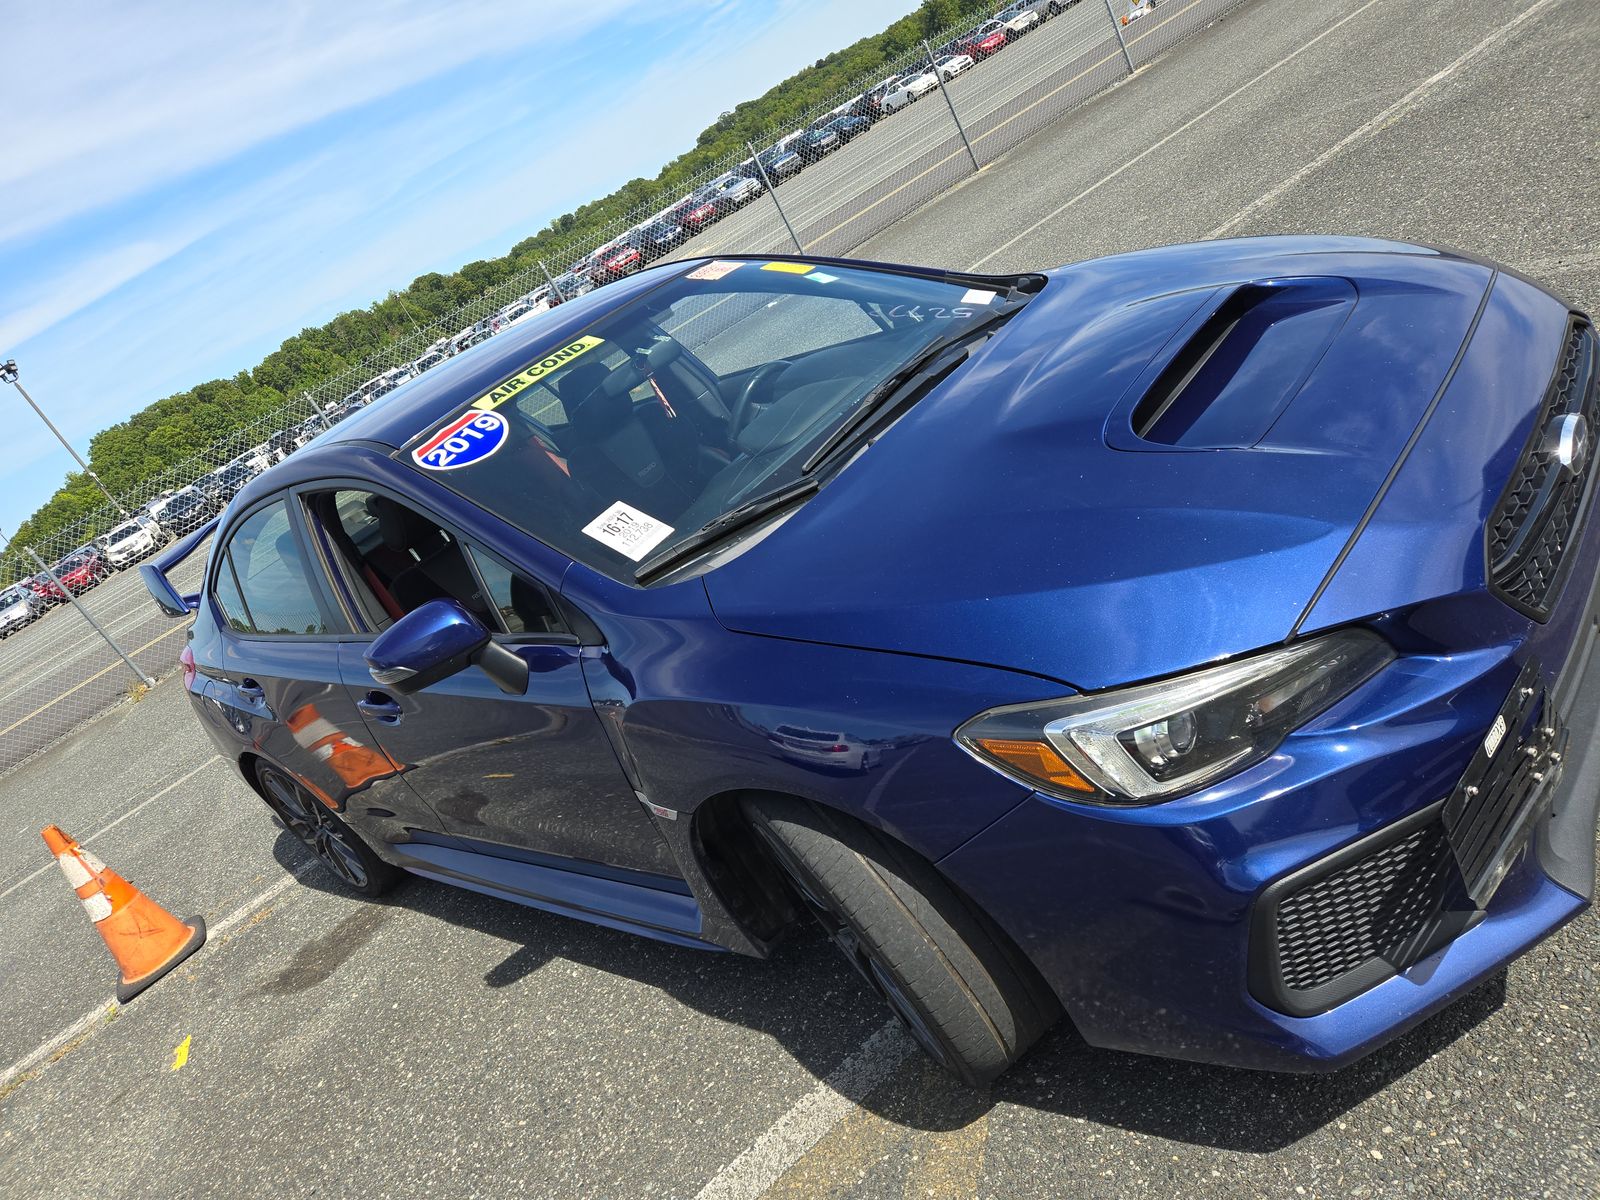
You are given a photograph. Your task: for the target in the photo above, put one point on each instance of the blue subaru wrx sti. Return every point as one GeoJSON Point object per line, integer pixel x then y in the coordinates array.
{"type": "Point", "coordinates": [1195, 642]}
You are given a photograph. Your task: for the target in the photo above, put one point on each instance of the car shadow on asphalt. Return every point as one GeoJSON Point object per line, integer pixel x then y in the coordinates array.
{"type": "Point", "coordinates": [809, 1001]}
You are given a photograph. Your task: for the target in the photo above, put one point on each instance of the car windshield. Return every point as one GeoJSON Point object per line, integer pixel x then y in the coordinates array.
{"type": "Point", "coordinates": [126, 533]}
{"type": "Point", "coordinates": [708, 391]}
{"type": "Point", "coordinates": [12, 595]}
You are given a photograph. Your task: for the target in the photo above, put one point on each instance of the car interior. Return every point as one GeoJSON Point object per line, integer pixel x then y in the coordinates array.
{"type": "Point", "coordinates": [390, 560]}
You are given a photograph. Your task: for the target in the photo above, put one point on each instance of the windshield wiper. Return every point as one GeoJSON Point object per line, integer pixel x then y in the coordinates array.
{"type": "Point", "coordinates": [737, 517]}
{"type": "Point", "coordinates": [936, 360]}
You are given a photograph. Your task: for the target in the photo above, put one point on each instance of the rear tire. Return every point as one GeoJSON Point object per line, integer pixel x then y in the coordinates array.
{"type": "Point", "coordinates": [339, 849]}
{"type": "Point", "coordinates": [967, 996]}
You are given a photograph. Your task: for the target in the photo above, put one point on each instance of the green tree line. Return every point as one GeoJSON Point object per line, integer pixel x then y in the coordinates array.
{"type": "Point", "coordinates": [175, 428]}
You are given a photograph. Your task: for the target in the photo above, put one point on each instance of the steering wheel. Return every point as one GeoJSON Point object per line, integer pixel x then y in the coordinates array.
{"type": "Point", "coordinates": [758, 379]}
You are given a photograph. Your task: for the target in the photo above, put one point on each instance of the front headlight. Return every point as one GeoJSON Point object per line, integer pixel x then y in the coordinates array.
{"type": "Point", "coordinates": [1144, 744]}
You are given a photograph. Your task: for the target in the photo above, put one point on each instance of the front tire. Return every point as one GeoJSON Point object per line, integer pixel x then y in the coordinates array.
{"type": "Point", "coordinates": [339, 849]}
{"type": "Point", "coordinates": [969, 998]}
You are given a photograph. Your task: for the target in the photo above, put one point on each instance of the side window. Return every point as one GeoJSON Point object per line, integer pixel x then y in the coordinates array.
{"type": "Point", "coordinates": [226, 593]}
{"type": "Point", "coordinates": [523, 604]}
{"type": "Point", "coordinates": [274, 588]}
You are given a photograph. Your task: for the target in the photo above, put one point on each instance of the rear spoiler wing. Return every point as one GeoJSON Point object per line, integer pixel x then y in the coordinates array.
{"type": "Point", "coordinates": [167, 597]}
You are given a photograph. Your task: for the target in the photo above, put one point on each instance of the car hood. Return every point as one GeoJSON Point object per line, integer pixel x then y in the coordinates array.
{"type": "Point", "coordinates": [1014, 518]}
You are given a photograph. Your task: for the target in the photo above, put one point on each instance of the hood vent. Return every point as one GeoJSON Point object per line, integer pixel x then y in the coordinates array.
{"type": "Point", "coordinates": [1234, 374]}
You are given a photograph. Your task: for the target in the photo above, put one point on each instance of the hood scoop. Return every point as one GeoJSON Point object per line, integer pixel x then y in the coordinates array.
{"type": "Point", "coordinates": [1229, 374]}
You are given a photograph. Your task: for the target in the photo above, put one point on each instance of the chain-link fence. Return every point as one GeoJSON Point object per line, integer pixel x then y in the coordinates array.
{"type": "Point", "coordinates": [79, 630]}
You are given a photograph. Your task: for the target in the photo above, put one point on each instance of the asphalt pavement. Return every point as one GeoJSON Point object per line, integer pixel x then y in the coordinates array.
{"type": "Point", "coordinates": [443, 1043]}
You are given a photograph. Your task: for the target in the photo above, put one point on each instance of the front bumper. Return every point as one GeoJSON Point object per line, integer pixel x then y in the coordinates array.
{"type": "Point", "coordinates": [1141, 920]}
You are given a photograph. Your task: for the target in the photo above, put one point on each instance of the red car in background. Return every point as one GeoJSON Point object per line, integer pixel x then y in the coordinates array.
{"type": "Point", "coordinates": [695, 213]}
{"type": "Point", "coordinates": [622, 257]}
{"type": "Point", "coordinates": [985, 40]}
{"type": "Point", "coordinates": [78, 572]}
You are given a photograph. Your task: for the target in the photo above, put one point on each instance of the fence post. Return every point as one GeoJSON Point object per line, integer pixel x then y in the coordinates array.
{"type": "Point", "coordinates": [1116, 28]}
{"type": "Point", "coordinates": [939, 75]}
{"type": "Point", "coordinates": [773, 192]}
{"type": "Point", "coordinates": [67, 592]}
{"type": "Point", "coordinates": [554, 286]}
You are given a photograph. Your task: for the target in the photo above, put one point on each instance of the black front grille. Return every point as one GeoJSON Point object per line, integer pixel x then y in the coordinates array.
{"type": "Point", "coordinates": [1331, 930]}
{"type": "Point", "coordinates": [1534, 521]}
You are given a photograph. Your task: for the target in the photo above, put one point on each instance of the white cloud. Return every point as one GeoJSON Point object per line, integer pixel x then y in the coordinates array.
{"type": "Point", "coordinates": [143, 94]}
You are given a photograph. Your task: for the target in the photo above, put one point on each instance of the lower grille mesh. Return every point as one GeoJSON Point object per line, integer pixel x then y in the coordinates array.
{"type": "Point", "coordinates": [1376, 907]}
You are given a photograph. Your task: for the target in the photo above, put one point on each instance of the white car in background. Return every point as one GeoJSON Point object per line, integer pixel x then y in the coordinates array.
{"type": "Point", "coordinates": [952, 65]}
{"type": "Point", "coordinates": [913, 85]}
{"type": "Point", "coordinates": [129, 542]}
{"type": "Point", "coordinates": [18, 607]}
{"type": "Point", "coordinates": [431, 359]}
{"type": "Point", "coordinates": [1020, 17]}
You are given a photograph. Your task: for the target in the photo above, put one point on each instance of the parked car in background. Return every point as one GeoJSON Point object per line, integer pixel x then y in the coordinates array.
{"type": "Point", "coordinates": [779, 162]}
{"type": "Point", "coordinates": [428, 361]}
{"type": "Point", "coordinates": [571, 285]}
{"type": "Point", "coordinates": [45, 589]}
{"type": "Point", "coordinates": [1044, 8]}
{"type": "Point", "coordinates": [129, 542]}
{"type": "Point", "coordinates": [187, 509]}
{"type": "Point", "coordinates": [696, 211]}
{"type": "Point", "coordinates": [19, 606]}
{"type": "Point", "coordinates": [659, 237]}
{"type": "Point", "coordinates": [221, 485]}
{"type": "Point", "coordinates": [733, 191]}
{"type": "Point", "coordinates": [621, 257]}
{"type": "Point", "coordinates": [848, 126]}
{"type": "Point", "coordinates": [869, 105]}
{"type": "Point", "coordinates": [952, 65]}
{"type": "Point", "coordinates": [1020, 17]}
{"type": "Point", "coordinates": [913, 86]}
{"type": "Point", "coordinates": [81, 570]}
{"type": "Point", "coordinates": [988, 38]}
{"type": "Point", "coordinates": [816, 144]}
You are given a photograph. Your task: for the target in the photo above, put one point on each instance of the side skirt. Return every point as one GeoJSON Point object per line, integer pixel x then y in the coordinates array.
{"type": "Point", "coordinates": [666, 916]}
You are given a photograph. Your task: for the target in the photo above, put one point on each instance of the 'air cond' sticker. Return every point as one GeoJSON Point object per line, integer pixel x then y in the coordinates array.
{"type": "Point", "coordinates": [470, 438]}
{"type": "Point", "coordinates": [714, 270]}
{"type": "Point", "coordinates": [553, 361]}
{"type": "Point", "coordinates": [788, 268]}
{"type": "Point", "coordinates": [822, 277]}
{"type": "Point", "coordinates": [977, 296]}
{"type": "Point", "coordinates": [628, 531]}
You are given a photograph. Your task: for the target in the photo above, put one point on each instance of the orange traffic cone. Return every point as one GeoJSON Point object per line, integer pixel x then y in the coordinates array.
{"type": "Point", "coordinates": [146, 940]}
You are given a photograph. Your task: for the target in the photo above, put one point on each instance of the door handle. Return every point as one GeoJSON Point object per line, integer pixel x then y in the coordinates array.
{"type": "Point", "coordinates": [380, 708]}
{"type": "Point", "coordinates": [250, 690]}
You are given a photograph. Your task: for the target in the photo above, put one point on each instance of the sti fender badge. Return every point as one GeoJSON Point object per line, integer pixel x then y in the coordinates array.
{"type": "Point", "coordinates": [470, 438]}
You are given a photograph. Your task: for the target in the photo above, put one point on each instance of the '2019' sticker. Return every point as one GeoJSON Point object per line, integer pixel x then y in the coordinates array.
{"type": "Point", "coordinates": [469, 439]}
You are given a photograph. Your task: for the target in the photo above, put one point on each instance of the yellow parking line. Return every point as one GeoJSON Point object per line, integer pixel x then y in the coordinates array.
{"type": "Point", "coordinates": [85, 683]}
{"type": "Point", "coordinates": [949, 1164]}
{"type": "Point", "coordinates": [839, 1161]}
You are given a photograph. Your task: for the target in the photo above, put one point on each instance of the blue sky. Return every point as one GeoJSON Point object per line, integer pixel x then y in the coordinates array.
{"type": "Point", "coordinates": [184, 185]}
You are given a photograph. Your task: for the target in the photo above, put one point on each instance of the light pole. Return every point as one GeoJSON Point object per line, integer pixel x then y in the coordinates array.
{"type": "Point", "coordinates": [8, 374]}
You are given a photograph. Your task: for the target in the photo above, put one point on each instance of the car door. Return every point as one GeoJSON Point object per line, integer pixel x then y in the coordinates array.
{"type": "Point", "coordinates": [275, 674]}
{"type": "Point", "coordinates": [533, 773]}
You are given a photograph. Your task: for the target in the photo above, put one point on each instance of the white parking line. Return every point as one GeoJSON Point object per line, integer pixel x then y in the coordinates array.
{"type": "Point", "coordinates": [811, 1117]}
{"type": "Point", "coordinates": [1151, 149]}
{"type": "Point", "coordinates": [182, 779]}
{"type": "Point", "coordinates": [39, 1056]}
{"type": "Point", "coordinates": [1395, 111]}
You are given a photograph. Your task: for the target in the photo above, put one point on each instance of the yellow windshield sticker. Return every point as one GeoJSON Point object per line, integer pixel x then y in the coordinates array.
{"type": "Point", "coordinates": [790, 268]}
{"type": "Point", "coordinates": [557, 359]}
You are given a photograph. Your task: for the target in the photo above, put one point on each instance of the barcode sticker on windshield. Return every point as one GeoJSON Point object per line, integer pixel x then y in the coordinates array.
{"type": "Point", "coordinates": [628, 531]}
{"type": "Point", "coordinates": [978, 296]}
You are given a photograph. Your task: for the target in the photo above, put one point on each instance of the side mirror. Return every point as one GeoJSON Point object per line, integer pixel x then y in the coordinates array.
{"type": "Point", "coordinates": [436, 641]}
